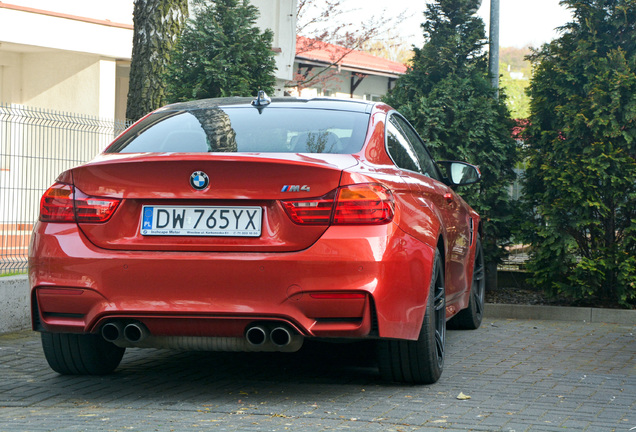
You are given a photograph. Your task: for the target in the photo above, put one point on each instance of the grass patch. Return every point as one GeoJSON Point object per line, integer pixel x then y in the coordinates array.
{"type": "Point", "coordinates": [17, 273]}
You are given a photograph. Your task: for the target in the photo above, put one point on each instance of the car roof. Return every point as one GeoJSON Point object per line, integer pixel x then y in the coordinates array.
{"type": "Point", "coordinates": [276, 102]}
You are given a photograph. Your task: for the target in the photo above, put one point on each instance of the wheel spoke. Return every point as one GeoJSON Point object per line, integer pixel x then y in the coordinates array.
{"type": "Point", "coordinates": [478, 286]}
{"type": "Point", "coordinates": [439, 304]}
{"type": "Point", "coordinates": [439, 344]}
{"type": "Point", "coordinates": [478, 273]}
{"type": "Point", "coordinates": [479, 304]}
{"type": "Point", "coordinates": [439, 300]}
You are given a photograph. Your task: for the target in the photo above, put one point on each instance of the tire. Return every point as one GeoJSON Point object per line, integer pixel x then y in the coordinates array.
{"type": "Point", "coordinates": [420, 361]}
{"type": "Point", "coordinates": [471, 317]}
{"type": "Point", "coordinates": [80, 354]}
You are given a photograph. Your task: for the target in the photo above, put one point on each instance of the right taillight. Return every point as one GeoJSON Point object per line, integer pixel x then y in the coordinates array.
{"type": "Point", "coordinates": [64, 203]}
{"type": "Point", "coordinates": [362, 204]}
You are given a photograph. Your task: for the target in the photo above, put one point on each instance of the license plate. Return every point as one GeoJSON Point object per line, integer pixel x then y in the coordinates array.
{"type": "Point", "coordinates": [201, 221]}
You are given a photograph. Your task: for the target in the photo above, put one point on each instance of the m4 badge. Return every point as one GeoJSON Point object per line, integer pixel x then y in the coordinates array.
{"type": "Point", "coordinates": [295, 188]}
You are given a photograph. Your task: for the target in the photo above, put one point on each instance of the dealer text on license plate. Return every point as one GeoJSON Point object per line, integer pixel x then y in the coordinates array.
{"type": "Point", "coordinates": [201, 221]}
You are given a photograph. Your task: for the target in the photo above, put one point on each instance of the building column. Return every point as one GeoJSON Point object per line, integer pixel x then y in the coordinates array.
{"type": "Point", "coordinates": [107, 89]}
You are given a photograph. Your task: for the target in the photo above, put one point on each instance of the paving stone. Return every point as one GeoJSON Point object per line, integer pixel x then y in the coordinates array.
{"type": "Point", "coordinates": [521, 376]}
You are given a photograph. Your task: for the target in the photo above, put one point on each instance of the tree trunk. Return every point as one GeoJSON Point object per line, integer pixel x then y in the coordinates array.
{"type": "Point", "coordinates": [158, 24]}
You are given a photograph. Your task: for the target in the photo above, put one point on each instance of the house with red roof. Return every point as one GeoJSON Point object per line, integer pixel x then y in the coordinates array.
{"type": "Point", "coordinates": [324, 69]}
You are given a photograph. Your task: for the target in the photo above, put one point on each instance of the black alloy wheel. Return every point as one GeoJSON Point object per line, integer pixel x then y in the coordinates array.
{"type": "Point", "coordinates": [471, 317]}
{"type": "Point", "coordinates": [420, 361]}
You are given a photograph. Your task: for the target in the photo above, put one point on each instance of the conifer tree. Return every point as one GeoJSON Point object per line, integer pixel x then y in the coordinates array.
{"type": "Point", "coordinates": [221, 53]}
{"type": "Point", "coordinates": [581, 176]}
{"type": "Point", "coordinates": [446, 94]}
{"type": "Point", "coordinates": [158, 24]}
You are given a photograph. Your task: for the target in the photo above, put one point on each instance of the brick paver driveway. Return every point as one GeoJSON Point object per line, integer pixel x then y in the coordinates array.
{"type": "Point", "coordinates": [520, 375]}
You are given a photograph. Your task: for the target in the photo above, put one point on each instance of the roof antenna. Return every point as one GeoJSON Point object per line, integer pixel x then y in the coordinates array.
{"type": "Point", "coordinates": [261, 101]}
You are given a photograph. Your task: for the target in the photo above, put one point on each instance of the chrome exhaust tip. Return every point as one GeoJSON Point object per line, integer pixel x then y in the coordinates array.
{"type": "Point", "coordinates": [280, 336]}
{"type": "Point", "coordinates": [112, 331]}
{"type": "Point", "coordinates": [135, 332]}
{"type": "Point", "coordinates": [256, 335]}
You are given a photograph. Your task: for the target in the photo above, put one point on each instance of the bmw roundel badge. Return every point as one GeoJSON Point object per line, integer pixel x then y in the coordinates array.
{"type": "Point", "coordinates": [199, 180]}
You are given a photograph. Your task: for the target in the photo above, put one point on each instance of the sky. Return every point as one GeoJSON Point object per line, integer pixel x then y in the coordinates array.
{"type": "Point", "coordinates": [527, 22]}
{"type": "Point", "coordinates": [522, 22]}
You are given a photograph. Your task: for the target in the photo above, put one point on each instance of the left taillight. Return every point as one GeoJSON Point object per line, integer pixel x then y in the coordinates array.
{"type": "Point", "coordinates": [64, 203]}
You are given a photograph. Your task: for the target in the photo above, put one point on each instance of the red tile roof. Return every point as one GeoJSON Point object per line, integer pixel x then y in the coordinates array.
{"type": "Point", "coordinates": [313, 50]}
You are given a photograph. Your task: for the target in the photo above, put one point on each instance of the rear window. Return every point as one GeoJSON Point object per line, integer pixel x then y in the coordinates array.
{"type": "Point", "coordinates": [246, 129]}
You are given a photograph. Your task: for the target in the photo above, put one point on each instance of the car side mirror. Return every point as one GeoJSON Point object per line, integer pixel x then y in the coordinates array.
{"type": "Point", "coordinates": [460, 173]}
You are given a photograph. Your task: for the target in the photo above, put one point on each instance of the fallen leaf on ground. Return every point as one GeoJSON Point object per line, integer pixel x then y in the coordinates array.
{"type": "Point", "coordinates": [462, 396]}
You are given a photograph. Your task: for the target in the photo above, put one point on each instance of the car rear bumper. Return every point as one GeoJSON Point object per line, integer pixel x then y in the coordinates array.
{"type": "Point", "coordinates": [354, 282]}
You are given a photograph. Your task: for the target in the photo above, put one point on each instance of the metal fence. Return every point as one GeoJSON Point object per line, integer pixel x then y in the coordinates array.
{"type": "Point", "coordinates": [36, 145]}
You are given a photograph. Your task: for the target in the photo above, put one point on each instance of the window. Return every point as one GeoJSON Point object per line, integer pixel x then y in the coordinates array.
{"type": "Point", "coordinates": [246, 129]}
{"type": "Point", "coordinates": [425, 161]}
{"type": "Point", "coordinates": [400, 150]}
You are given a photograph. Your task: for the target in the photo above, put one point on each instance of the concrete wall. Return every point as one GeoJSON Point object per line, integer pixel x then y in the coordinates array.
{"type": "Point", "coordinates": [14, 303]}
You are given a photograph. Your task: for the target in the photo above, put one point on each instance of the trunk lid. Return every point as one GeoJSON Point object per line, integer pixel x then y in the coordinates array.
{"type": "Point", "coordinates": [239, 185]}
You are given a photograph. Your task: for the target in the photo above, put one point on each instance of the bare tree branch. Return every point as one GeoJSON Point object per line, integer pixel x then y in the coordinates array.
{"type": "Point", "coordinates": [324, 25]}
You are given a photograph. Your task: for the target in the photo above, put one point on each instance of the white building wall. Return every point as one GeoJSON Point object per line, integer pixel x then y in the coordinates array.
{"type": "Point", "coordinates": [107, 92]}
{"type": "Point", "coordinates": [61, 81]}
{"type": "Point", "coordinates": [372, 85]}
{"type": "Point", "coordinates": [121, 88]}
{"type": "Point", "coordinates": [52, 59]}
{"type": "Point", "coordinates": [64, 33]}
{"type": "Point", "coordinates": [119, 11]}
{"type": "Point", "coordinates": [10, 85]}
{"type": "Point", "coordinates": [91, 60]}
{"type": "Point", "coordinates": [280, 17]}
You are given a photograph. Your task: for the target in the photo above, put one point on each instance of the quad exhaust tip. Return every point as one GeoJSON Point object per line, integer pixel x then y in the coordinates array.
{"type": "Point", "coordinates": [116, 331]}
{"type": "Point", "coordinates": [258, 337]}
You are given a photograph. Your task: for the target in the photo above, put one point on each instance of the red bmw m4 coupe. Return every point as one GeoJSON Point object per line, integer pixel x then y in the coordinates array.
{"type": "Point", "coordinates": [244, 224]}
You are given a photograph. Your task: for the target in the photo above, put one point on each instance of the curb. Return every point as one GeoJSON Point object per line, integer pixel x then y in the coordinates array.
{"type": "Point", "coordinates": [14, 303]}
{"type": "Point", "coordinates": [560, 313]}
